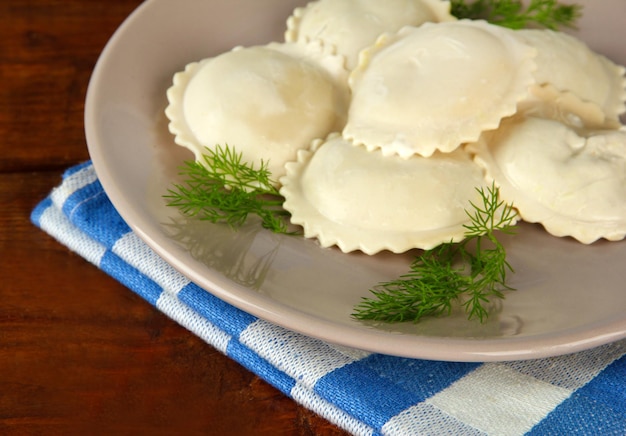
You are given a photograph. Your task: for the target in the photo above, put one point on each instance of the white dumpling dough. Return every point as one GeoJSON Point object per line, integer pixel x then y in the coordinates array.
{"type": "Point", "coordinates": [546, 101]}
{"type": "Point", "coordinates": [266, 102]}
{"type": "Point", "coordinates": [570, 65]}
{"type": "Point", "coordinates": [352, 25]}
{"type": "Point", "coordinates": [573, 184]}
{"type": "Point", "coordinates": [344, 195]}
{"type": "Point", "coordinates": [437, 86]}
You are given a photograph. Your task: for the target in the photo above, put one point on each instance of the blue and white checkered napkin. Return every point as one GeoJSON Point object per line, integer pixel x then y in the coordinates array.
{"type": "Point", "coordinates": [364, 393]}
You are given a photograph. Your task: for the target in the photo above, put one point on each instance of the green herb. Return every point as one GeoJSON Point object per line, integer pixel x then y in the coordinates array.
{"type": "Point", "coordinates": [514, 14]}
{"type": "Point", "coordinates": [224, 189]}
{"type": "Point", "coordinates": [472, 271]}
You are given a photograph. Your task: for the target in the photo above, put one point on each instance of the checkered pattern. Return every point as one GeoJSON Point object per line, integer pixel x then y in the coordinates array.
{"type": "Point", "coordinates": [364, 393]}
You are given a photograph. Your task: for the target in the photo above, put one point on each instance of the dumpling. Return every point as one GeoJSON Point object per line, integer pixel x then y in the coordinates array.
{"type": "Point", "coordinates": [266, 102]}
{"type": "Point", "coordinates": [437, 86]}
{"type": "Point", "coordinates": [570, 65]}
{"type": "Point", "coordinates": [352, 25]}
{"type": "Point", "coordinates": [344, 195]}
{"type": "Point", "coordinates": [574, 184]}
{"type": "Point", "coordinates": [546, 101]}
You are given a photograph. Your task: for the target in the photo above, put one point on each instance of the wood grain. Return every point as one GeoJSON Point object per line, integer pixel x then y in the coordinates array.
{"type": "Point", "coordinates": [80, 353]}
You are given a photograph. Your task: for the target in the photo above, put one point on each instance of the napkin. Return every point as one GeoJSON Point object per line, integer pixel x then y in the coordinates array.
{"type": "Point", "coordinates": [363, 393]}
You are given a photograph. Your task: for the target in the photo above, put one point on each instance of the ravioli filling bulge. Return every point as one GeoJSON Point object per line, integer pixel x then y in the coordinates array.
{"type": "Point", "coordinates": [583, 178]}
{"type": "Point", "coordinates": [294, 102]}
{"type": "Point", "coordinates": [435, 87]}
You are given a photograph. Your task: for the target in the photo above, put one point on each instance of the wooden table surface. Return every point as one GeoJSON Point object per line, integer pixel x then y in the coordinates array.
{"type": "Point", "coordinates": [80, 353]}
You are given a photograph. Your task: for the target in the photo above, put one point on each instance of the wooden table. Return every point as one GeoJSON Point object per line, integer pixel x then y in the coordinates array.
{"type": "Point", "coordinates": [80, 353]}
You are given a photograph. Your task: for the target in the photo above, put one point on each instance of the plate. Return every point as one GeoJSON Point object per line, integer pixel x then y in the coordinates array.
{"type": "Point", "coordinates": [569, 297]}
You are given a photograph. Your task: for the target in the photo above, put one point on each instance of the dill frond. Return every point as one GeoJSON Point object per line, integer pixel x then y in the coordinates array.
{"type": "Point", "coordinates": [549, 14]}
{"type": "Point", "coordinates": [222, 188]}
{"type": "Point", "coordinates": [473, 271]}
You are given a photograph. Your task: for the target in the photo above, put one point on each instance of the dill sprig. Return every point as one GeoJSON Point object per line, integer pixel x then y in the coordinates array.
{"type": "Point", "coordinates": [515, 14]}
{"type": "Point", "coordinates": [222, 188]}
{"type": "Point", "coordinates": [473, 271]}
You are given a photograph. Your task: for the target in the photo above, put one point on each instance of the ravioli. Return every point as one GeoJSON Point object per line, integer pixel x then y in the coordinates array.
{"type": "Point", "coordinates": [355, 199]}
{"type": "Point", "coordinates": [572, 183]}
{"type": "Point", "coordinates": [266, 102]}
{"type": "Point", "coordinates": [432, 88]}
{"type": "Point", "coordinates": [570, 65]}
{"type": "Point", "coordinates": [352, 25]}
{"type": "Point", "coordinates": [379, 121]}
{"type": "Point", "coordinates": [546, 101]}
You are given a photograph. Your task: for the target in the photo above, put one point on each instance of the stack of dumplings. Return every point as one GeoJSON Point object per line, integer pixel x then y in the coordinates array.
{"type": "Point", "coordinates": [380, 120]}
